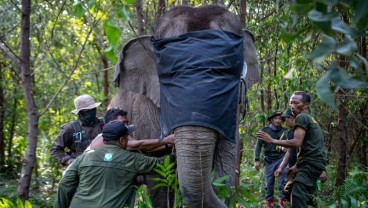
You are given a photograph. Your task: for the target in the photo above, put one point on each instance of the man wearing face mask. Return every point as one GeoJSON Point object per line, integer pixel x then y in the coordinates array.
{"type": "Point", "coordinates": [74, 137]}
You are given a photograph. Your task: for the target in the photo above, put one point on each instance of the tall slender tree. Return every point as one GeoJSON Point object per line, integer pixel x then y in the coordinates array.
{"type": "Point", "coordinates": [139, 15]}
{"type": "Point", "coordinates": [27, 78]}
{"type": "Point", "coordinates": [2, 116]}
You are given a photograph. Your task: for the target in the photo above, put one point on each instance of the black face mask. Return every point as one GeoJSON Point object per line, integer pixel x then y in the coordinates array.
{"type": "Point", "coordinates": [88, 117]}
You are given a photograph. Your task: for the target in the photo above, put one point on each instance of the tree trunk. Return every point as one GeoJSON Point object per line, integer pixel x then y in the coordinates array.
{"type": "Point", "coordinates": [32, 117]}
{"type": "Point", "coordinates": [138, 10]}
{"type": "Point", "coordinates": [342, 142]}
{"type": "Point", "coordinates": [13, 122]}
{"type": "Point", "coordinates": [243, 12]}
{"type": "Point", "coordinates": [240, 144]}
{"type": "Point", "coordinates": [161, 7]}
{"type": "Point", "coordinates": [106, 82]}
{"type": "Point", "coordinates": [2, 116]}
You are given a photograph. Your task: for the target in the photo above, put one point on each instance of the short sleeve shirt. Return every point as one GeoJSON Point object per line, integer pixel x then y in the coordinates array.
{"type": "Point", "coordinates": [312, 151]}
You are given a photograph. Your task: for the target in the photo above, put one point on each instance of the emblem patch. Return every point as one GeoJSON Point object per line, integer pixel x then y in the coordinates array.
{"type": "Point", "coordinates": [108, 157]}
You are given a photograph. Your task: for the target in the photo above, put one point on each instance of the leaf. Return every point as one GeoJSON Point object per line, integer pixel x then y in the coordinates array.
{"type": "Point", "coordinates": [112, 32]}
{"type": "Point", "coordinates": [19, 203]}
{"type": "Point", "coordinates": [301, 9]}
{"type": "Point", "coordinates": [167, 161]}
{"type": "Point", "coordinates": [324, 90]}
{"type": "Point", "coordinates": [249, 196]}
{"type": "Point", "coordinates": [318, 16]}
{"type": "Point", "coordinates": [353, 202]}
{"type": "Point", "coordinates": [364, 61]}
{"type": "Point", "coordinates": [157, 180]}
{"type": "Point", "coordinates": [344, 203]}
{"type": "Point", "coordinates": [78, 9]}
{"type": "Point", "coordinates": [338, 25]}
{"type": "Point", "coordinates": [130, 1]}
{"type": "Point", "coordinates": [163, 174]}
{"type": "Point", "coordinates": [122, 12]}
{"type": "Point", "coordinates": [348, 47]}
{"type": "Point", "coordinates": [326, 47]}
{"type": "Point", "coordinates": [27, 204]}
{"type": "Point", "coordinates": [361, 11]}
{"type": "Point", "coordinates": [341, 78]}
{"type": "Point", "coordinates": [163, 168]}
{"type": "Point", "coordinates": [260, 118]}
{"type": "Point", "coordinates": [241, 200]}
{"type": "Point", "coordinates": [4, 202]}
{"type": "Point", "coordinates": [159, 185]}
{"type": "Point", "coordinates": [222, 179]}
{"type": "Point", "coordinates": [91, 3]}
{"type": "Point", "coordinates": [286, 36]}
{"type": "Point", "coordinates": [325, 27]}
{"type": "Point", "coordinates": [109, 53]}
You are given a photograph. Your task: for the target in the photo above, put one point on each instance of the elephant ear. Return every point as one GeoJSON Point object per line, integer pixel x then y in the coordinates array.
{"type": "Point", "coordinates": [250, 57]}
{"type": "Point", "coordinates": [136, 69]}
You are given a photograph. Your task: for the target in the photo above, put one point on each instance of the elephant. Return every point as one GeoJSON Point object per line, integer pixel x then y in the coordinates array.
{"type": "Point", "coordinates": [200, 147]}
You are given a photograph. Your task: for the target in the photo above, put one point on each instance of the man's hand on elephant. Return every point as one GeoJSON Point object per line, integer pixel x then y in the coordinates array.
{"type": "Point", "coordinates": [265, 137]}
{"type": "Point", "coordinates": [257, 165]}
{"type": "Point", "coordinates": [169, 139]}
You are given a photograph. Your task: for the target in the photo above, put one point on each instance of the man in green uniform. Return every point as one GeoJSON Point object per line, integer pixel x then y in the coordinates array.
{"type": "Point", "coordinates": [311, 159]}
{"type": "Point", "coordinates": [104, 177]}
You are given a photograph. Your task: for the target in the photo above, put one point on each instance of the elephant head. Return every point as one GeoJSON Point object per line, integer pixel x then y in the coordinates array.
{"type": "Point", "coordinates": [200, 148]}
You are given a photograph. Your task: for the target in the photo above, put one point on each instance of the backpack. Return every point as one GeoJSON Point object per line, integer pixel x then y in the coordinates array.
{"type": "Point", "coordinates": [78, 134]}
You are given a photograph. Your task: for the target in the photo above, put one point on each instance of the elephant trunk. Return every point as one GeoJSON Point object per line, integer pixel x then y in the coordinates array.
{"type": "Point", "coordinates": [195, 146]}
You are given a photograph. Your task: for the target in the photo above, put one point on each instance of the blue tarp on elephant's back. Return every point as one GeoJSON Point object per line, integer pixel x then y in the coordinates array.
{"type": "Point", "coordinates": [199, 74]}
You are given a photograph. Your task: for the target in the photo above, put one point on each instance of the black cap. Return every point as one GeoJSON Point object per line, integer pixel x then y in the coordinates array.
{"type": "Point", "coordinates": [287, 113]}
{"type": "Point", "coordinates": [114, 130]}
{"type": "Point", "coordinates": [276, 113]}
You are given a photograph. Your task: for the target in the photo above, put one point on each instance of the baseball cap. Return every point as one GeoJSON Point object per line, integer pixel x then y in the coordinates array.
{"type": "Point", "coordinates": [114, 130]}
{"type": "Point", "coordinates": [287, 113]}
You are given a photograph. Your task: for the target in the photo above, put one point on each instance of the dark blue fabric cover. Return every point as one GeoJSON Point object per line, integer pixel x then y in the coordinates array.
{"type": "Point", "coordinates": [199, 74]}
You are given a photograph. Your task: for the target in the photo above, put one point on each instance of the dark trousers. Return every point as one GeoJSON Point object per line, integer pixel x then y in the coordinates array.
{"type": "Point", "coordinates": [304, 185]}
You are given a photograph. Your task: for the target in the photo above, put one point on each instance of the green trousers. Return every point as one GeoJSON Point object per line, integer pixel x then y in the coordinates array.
{"type": "Point", "coordinates": [304, 185]}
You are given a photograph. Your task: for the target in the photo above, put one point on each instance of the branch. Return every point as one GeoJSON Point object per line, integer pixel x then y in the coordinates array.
{"type": "Point", "coordinates": [16, 6]}
{"type": "Point", "coordinates": [10, 54]}
{"type": "Point", "coordinates": [74, 67]}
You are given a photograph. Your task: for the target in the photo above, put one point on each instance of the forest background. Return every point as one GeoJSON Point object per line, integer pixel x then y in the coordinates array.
{"type": "Point", "coordinates": [52, 51]}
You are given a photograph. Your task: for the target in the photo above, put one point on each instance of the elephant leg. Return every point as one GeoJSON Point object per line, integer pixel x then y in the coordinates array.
{"type": "Point", "coordinates": [224, 161]}
{"type": "Point", "coordinates": [195, 146]}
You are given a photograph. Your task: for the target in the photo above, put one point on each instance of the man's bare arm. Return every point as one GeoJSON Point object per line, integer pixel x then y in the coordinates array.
{"type": "Point", "coordinates": [147, 145]}
{"type": "Point", "coordinates": [297, 142]}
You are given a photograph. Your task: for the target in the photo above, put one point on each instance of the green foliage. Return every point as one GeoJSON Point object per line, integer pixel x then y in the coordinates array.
{"type": "Point", "coordinates": [6, 203]}
{"type": "Point", "coordinates": [354, 191]}
{"type": "Point", "coordinates": [167, 172]}
{"type": "Point", "coordinates": [242, 197]}
{"type": "Point", "coordinates": [168, 179]}
{"type": "Point", "coordinates": [142, 199]}
{"type": "Point", "coordinates": [339, 22]}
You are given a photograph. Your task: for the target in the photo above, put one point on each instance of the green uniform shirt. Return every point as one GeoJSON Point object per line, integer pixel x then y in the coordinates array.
{"type": "Point", "coordinates": [312, 151]}
{"type": "Point", "coordinates": [270, 150]}
{"type": "Point", "coordinates": [104, 177]}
